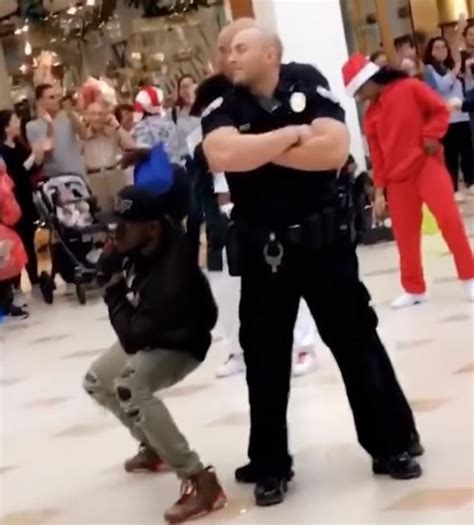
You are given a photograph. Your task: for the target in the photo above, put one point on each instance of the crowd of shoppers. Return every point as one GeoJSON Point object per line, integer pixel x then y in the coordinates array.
{"type": "Point", "coordinates": [448, 68]}
{"type": "Point", "coordinates": [86, 134]}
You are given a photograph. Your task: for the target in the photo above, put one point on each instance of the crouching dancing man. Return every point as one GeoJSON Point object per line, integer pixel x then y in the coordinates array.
{"type": "Point", "coordinates": [162, 310]}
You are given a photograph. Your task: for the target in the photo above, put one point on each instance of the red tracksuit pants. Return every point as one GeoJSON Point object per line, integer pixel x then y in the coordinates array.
{"type": "Point", "coordinates": [432, 186]}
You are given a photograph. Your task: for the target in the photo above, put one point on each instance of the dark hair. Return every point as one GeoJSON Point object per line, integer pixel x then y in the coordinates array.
{"type": "Point", "coordinates": [429, 59]}
{"type": "Point", "coordinates": [40, 89]}
{"type": "Point", "coordinates": [5, 119]}
{"type": "Point", "coordinates": [469, 26]}
{"type": "Point", "coordinates": [376, 55]}
{"type": "Point", "coordinates": [400, 41]}
{"type": "Point", "coordinates": [123, 107]}
{"type": "Point", "coordinates": [387, 75]}
{"type": "Point", "coordinates": [179, 100]}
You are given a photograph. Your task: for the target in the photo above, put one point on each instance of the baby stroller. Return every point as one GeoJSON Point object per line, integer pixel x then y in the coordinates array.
{"type": "Point", "coordinates": [74, 233]}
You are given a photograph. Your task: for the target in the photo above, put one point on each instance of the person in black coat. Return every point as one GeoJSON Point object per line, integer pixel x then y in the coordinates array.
{"type": "Point", "coordinates": [21, 165]}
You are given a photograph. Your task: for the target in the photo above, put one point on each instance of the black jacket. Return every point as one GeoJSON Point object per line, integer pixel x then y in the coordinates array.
{"type": "Point", "coordinates": [163, 302]}
{"type": "Point", "coordinates": [468, 104]}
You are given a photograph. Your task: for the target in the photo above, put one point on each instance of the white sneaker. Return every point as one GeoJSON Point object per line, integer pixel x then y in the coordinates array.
{"type": "Point", "coordinates": [303, 364]}
{"type": "Point", "coordinates": [234, 365]}
{"type": "Point", "coordinates": [469, 285]}
{"type": "Point", "coordinates": [459, 197]}
{"type": "Point", "coordinates": [409, 299]}
{"type": "Point", "coordinates": [19, 300]}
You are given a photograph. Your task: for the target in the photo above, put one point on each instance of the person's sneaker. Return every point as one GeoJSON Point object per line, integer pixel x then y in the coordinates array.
{"type": "Point", "coordinates": [234, 365]}
{"type": "Point", "coordinates": [146, 460]}
{"type": "Point", "coordinates": [247, 474]}
{"type": "Point", "coordinates": [270, 491]}
{"type": "Point", "coordinates": [303, 363]}
{"type": "Point", "coordinates": [200, 495]}
{"type": "Point", "coordinates": [409, 299]}
{"type": "Point", "coordinates": [402, 466]}
{"type": "Point", "coordinates": [459, 197]}
{"type": "Point", "coordinates": [19, 299]}
{"type": "Point", "coordinates": [469, 285]}
{"type": "Point", "coordinates": [17, 312]}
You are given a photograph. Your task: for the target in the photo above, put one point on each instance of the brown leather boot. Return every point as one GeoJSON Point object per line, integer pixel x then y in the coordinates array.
{"type": "Point", "coordinates": [200, 495]}
{"type": "Point", "coordinates": [146, 460]}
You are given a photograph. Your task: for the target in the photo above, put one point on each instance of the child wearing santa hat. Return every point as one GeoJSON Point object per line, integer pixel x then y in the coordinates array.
{"type": "Point", "coordinates": [404, 124]}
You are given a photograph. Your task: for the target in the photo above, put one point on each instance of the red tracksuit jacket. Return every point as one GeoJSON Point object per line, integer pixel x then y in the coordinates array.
{"type": "Point", "coordinates": [406, 112]}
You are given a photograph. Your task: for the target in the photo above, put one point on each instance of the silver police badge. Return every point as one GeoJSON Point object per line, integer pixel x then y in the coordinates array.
{"type": "Point", "coordinates": [298, 102]}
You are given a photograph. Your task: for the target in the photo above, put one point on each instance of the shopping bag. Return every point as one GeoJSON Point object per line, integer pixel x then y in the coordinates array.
{"type": "Point", "coordinates": [13, 256]}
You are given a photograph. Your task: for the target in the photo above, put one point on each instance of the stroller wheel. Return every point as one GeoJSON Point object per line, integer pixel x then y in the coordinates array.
{"type": "Point", "coordinates": [81, 293]}
{"type": "Point", "coordinates": [47, 287]}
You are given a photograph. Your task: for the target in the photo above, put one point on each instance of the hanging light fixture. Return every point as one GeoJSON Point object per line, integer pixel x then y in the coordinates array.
{"type": "Point", "coordinates": [28, 49]}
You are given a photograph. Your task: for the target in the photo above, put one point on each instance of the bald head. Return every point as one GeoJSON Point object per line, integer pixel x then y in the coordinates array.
{"type": "Point", "coordinates": [224, 42]}
{"type": "Point", "coordinates": [255, 56]}
{"type": "Point", "coordinates": [258, 37]}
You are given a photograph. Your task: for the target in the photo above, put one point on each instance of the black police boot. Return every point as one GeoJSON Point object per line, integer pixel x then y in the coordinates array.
{"type": "Point", "coordinates": [247, 474]}
{"type": "Point", "coordinates": [270, 491]}
{"type": "Point", "coordinates": [402, 466]}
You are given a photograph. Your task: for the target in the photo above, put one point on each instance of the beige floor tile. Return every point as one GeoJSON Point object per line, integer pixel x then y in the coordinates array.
{"type": "Point", "coordinates": [427, 405]}
{"type": "Point", "coordinates": [446, 498]}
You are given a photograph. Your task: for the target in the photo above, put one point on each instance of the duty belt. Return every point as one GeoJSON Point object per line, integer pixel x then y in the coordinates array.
{"type": "Point", "coordinates": [318, 231]}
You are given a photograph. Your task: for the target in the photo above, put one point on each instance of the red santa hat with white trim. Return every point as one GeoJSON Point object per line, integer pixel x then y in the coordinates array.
{"type": "Point", "coordinates": [357, 71]}
{"type": "Point", "coordinates": [149, 100]}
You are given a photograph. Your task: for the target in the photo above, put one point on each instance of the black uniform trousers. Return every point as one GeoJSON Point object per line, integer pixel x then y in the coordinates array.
{"type": "Point", "coordinates": [329, 282]}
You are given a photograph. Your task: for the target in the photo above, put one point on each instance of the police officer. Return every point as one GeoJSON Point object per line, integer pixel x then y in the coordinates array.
{"type": "Point", "coordinates": [279, 135]}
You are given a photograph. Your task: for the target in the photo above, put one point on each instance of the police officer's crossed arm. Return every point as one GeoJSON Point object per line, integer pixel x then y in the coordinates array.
{"type": "Point", "coordinates": [321, 144]}
{"type": "Point", "coordinates": [226, 149]}
{"type": "Point", "coordinates": [324, 146]}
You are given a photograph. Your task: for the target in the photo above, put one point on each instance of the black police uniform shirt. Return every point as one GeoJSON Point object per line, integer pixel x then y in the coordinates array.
{"type": "Point", "coordinates": [274, 195]}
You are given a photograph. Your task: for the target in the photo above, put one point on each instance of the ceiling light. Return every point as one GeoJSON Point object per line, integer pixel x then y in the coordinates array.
{"type": "Point", "coordinates": [28, 49]}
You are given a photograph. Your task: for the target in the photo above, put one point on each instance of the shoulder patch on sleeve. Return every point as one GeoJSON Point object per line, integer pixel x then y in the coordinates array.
{"type": "Point", "coordinates": [327, 94]}
{"type": "Point", "coordinates": [215, 104]}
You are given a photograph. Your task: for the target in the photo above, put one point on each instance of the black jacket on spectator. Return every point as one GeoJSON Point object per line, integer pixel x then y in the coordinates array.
{"type": "Point", "coordinates": [164, 302]}
{"type": "Point", "coordinates": [468, 104]}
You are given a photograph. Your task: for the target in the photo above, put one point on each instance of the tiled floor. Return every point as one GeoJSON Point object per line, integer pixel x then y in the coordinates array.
{"type": "Point", "coordinates": [61, 456]}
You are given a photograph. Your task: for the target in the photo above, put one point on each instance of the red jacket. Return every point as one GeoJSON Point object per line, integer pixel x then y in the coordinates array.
{"type": "Point", "coordinates": [407, 112]}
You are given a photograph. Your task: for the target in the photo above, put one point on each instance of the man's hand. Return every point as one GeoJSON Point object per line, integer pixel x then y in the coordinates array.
{"type": "Point", "coordinates": [44, 115]}
{"type": "Point", "coordinates": [454, 104]}
{"type": "Point", "coordinates": [113, 122]}
{"type": "Point", "coordinates": [431, 146]}
{"type": "Point", "coordinates": [109, 266]}
{"type": "Point", "coordinates": [67, 105]}
{"type": "Point", "coordinates": [223, 199]}
{"type": "Point", "coordinates": [115, 279]}
{"type": "Point", "coordinates": [380, 204]}
{"type": "Point", "coordinates": [38, 152]}
{"type": "Point", "coordinates": [305, 132]}
{"type": "Point", "coordinates": [134, 156]}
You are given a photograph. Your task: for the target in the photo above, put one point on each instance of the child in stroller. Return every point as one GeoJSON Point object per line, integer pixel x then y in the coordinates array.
{"type": "Point", "coordinates": [67, 207]}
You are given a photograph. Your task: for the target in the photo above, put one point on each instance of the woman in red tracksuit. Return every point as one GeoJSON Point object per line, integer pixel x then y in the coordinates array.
{"type": "Point", "coordinates": [404, 124]}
